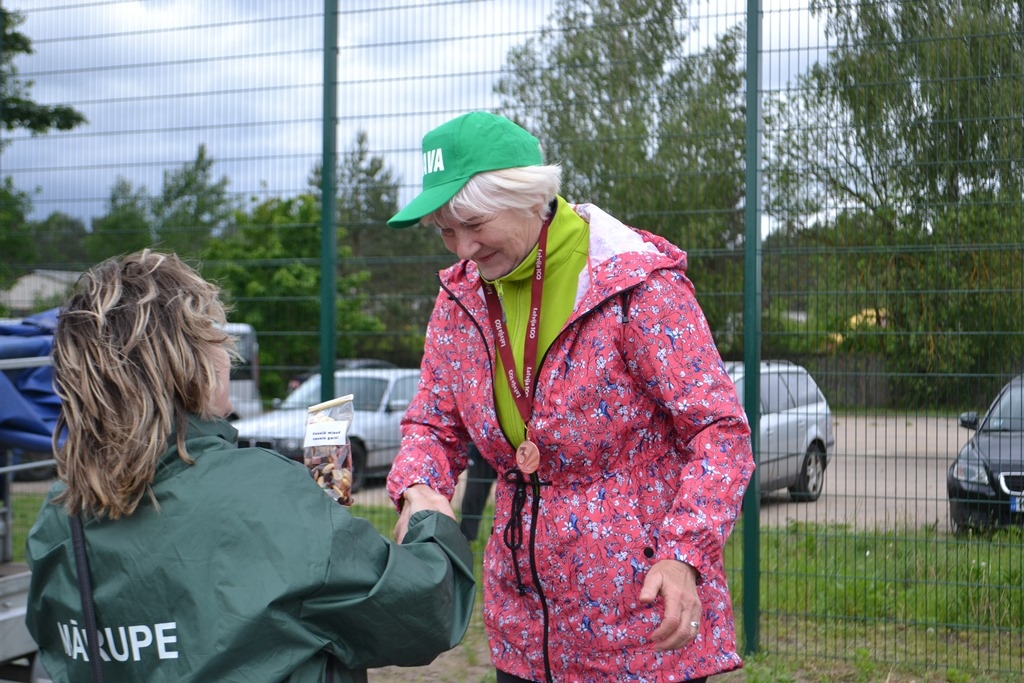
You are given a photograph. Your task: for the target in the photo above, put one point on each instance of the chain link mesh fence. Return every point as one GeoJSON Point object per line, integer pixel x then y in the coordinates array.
{"type": "Point", "coordinates": [887, 180]}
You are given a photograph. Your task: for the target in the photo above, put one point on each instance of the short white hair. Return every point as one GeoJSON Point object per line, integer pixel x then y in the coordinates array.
{"type": "Point", "coordinates": [489, 193]}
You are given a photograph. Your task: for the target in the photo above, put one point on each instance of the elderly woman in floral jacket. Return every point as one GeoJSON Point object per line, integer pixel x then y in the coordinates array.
{"type": "Point", "coordinates": [571, 350]}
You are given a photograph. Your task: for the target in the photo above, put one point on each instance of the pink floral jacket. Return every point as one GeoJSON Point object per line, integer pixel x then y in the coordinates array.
{"type": "Point", "coordinates": [645, 456]}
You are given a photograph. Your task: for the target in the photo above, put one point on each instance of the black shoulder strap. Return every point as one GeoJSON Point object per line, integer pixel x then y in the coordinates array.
{"type": "Point", "coordinates": [85, 588]}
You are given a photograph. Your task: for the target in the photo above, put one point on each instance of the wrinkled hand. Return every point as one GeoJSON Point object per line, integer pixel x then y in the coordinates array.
{"type": "Point", "coordinates": [420, 497]}
{"type": "Point", "coordinates": [676, 583]}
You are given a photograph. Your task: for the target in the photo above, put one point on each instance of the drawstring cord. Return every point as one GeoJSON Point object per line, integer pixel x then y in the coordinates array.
{"type": "Point", "coordinates": [514, 530]}
{"type": "Point", "coordinates": [513, 538]}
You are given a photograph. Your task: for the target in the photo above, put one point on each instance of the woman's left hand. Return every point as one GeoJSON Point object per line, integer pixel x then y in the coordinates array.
{"type": "Point", "coordinates": [676, 583]}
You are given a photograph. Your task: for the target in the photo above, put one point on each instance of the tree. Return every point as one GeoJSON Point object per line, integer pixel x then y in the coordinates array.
{"type": "Point", "coordinates": [916, 108]}
{"type": "Point", "coordinates": [367, 197]}
{"type": "Point", "coordinates": [589, 86]}
{"type": "Point", "coordinates": [191, 207]}
{"type": "Point", "coordinates": [15, 241]}
{"type": "Point", "coordinates": [641, 127]}
{"type": "Point", "coordinates": [19, 111]}
{"type": "Point", "coordinates": [701, 145]}
{"type": "Point", "coordinates": [127, 225]}
{"type": "Point", "coordinates": [60, 241]}
{"type": "Point", "coordinates": [912, 127]}
{"type": "Point", "coordinates": [269, 269]}
{"type": "Point", "coordinates": [399, 266]}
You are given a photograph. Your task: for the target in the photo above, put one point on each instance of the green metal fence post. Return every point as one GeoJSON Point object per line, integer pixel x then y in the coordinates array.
{"type": "Point", "coordinates": [329, 194]}
{"type": "Point", "coordinates": [752, 326]}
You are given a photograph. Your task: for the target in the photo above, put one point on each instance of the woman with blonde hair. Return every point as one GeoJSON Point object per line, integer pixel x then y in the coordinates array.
{"type": "Point", "coordinates": [199, 561]}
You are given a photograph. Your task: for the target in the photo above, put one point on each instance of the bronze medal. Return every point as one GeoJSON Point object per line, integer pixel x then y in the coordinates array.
{"type": "Point", "coordinates": [528, 457]}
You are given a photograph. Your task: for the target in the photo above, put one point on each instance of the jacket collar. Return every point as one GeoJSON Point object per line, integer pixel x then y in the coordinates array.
{"type": "Point", "coordinates": [620, 257]}
{"type": "Point", "coordinates": [200, 435]}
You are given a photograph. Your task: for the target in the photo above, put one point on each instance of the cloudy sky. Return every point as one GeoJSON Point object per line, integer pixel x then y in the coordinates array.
{"type": "Point", "coordinates": [157, 78]}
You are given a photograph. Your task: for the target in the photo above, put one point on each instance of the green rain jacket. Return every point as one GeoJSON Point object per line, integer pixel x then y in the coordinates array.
{"type": "Point", "coordinates": [246, 571]}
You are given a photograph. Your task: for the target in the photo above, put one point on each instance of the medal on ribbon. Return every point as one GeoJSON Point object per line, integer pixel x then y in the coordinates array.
{"type": "Point", "coordinates": [527, 454]}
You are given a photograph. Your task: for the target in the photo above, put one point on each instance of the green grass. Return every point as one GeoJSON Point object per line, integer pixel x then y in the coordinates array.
{"type": "Point", "coordinates": [916, 578]}
{"type": "Point", "coordinates": [839, 604]}
{"type": "Point", "coordinates": [843, 604]}
{"type": "Point", "coordinates": [24, 508]}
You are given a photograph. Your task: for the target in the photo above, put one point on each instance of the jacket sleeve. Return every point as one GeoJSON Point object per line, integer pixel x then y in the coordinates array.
{"type": "Point", "coordinates": [434, 449]}
{"type": "Point", "coordinates": [386, 604]}
{"type": "Point", "coordinates": [671, 341]}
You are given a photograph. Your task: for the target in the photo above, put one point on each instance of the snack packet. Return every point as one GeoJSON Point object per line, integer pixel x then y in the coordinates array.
{"type": "Point", "coordinates": [326, 449]}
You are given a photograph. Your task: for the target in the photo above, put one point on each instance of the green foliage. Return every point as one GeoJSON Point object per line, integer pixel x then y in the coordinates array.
{"type": "Point", "coordinates": [911, 125]}
{"type": "Point", "coordinates": [890, 577]}
{"type": "Point", "coordinates": [762, 669]}
{"type": "Point", "coordinates": [15, 241]}
{"type": "Point", "coordinates": [916, 108]}
{"type": "Point", "coordinates": [191, 209]}
{"type": "Point", "coordinates": [399, 266]}
{"type": "Point", "coordinates": [590, 85]}
{"type": "Point", "coordinates": [943, 304]}
{"type": "Point", "coordinates": [700, 148]}
{"type": "Point", "coordinates": [865, 665]}
{"type": "Point", "coordinates": [956, 306]}
{"type": "Point", "coordinates": [955, 676]}
{"type": "Point", "coordinates": [367, 198]}
{"type": "Point", "coordinates": [59, 242]}
{"type": "Point", "coordinates": [192, 206]}
{"type": "Point", "coordinates": [944, 95]}
{"type": "Point", "coordinates": [269, 268]}
{"type": "Point", "coordinates": [127, 225]}
{"type": "Point", "coordinates": [786, 333]}
{"type": "Point", "coordinates": [644, 128]}
{"type": "Point", "coordinates": [25, 508]}
{"type": "Point", "coordinates": [19, 111]}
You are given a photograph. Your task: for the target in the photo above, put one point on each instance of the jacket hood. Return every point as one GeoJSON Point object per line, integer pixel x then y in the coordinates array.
{"type": "Point", "coordinates": [620, 257]}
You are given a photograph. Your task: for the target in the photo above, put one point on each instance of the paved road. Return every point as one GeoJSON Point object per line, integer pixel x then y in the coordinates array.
{"type": "Point", "coordinates": [888, 471]}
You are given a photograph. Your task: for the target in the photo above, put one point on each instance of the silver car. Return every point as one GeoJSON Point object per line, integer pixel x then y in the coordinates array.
{"type": "Point", "coordinates": [797, 429]}
{"type": "Point", "coordinates": [381, 397]}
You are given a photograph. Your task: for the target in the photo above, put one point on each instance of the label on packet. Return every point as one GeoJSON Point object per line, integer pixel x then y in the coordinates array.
{"type": "Point", "coordinates": [326, 449]}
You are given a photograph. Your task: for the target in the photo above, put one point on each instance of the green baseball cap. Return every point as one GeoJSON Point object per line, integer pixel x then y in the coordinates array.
{"type": "Point", "coordinates": [457, 150]}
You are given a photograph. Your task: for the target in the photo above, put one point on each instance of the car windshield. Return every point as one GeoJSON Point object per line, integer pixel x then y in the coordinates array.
{"type": "Point", "coordinates": [367, 392]}
{"type": "Point", "coordinates": [1007, 414]}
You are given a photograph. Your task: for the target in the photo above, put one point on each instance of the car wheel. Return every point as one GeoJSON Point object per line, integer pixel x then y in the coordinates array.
{"type": "Point", "coordinates": [358, 466]}
{"type": "Point", "coordinates": [956, 525]}
{"type": "Point", "coordinates": [964, 522]}
{"type": "Point", "coordinates": [812, 476]}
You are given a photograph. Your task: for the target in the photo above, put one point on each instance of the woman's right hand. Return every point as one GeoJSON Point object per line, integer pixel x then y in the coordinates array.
{"type": "Point", "coordinates": [416, 498]}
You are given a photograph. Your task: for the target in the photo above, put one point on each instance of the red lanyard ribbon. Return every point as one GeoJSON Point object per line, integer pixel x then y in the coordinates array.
{"type": "Point", "coordinates": [522, 393]}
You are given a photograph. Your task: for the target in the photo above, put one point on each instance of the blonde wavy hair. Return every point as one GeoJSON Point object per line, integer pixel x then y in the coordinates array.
{"type": "Point", "coordinates": [132, 358]}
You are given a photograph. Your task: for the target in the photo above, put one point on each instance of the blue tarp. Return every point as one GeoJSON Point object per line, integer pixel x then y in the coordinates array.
{"type": "Point", "coordinates": [28, 403]}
